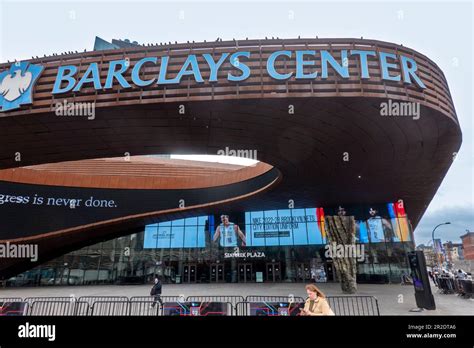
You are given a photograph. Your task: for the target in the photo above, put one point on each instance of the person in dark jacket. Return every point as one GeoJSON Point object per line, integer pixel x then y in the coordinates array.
{"type": "Point", "coordinates": [156, 292]}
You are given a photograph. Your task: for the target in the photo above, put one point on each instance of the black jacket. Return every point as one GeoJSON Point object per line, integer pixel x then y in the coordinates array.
{"type": "Point", "coordinates": [156, 289]}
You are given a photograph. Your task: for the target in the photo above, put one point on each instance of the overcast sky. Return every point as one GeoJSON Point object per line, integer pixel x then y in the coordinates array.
{"type": "Point", "coordinates": [441, 30]}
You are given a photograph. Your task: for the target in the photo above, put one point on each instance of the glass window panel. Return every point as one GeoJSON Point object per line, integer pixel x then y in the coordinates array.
{"type": "Point", "coordinates": [201, 236]}
{"type": "Point", "coordinates": [178, 222]}
{"type": "Point", "coordinates": [249, 235]}
{"type": "Point", "coordinates": [165, 224]}
{"type": "Point", "coordinates": [255, 228]}
{"type": "Point", "coordinates": [150, 240]}
{"type": "Point", "coordinates": [164, 236]}
{"type": "Point", "coordinates": [271, 228]}
{"type": "Point", "coordinates": [177, 236]}
{"type": "Point", "coordinates": [314, 234]}
{"type": "Point", "coordinates": [285, 227]}
{"type": "Point", "coordinates": [311, 215]}
{"type": "Point", "coordinates": [202, 220]}
{"type": "Point", "coordinates": [190, 237]}
{"type": "Point", "coordinates": [298, 224]}
{"type": "Point", "coordinates": [192, 221]}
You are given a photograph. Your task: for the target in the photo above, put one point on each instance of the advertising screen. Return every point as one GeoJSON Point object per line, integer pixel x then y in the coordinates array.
{"type": "Point", "coordinates": [375, 223]}
{"type": "Point", "coordinates": [182, 233]}
{"type": "Point", "coordinates": [282, 227]}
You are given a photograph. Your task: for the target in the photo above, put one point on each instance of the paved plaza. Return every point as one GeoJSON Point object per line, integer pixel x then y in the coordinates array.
{"type": "Point", "coordinates": [394, 299]}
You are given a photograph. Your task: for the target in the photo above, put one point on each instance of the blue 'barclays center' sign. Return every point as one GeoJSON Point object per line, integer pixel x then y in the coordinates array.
{"type": "Point", "coordinates": [17, 83]}
{"type": "Point", "coordinates": [67, 79]}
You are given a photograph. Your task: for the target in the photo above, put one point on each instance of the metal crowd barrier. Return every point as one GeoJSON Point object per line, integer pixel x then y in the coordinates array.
{"type": "Point", "coordinates": [42, 305]}
{"type": "Point", "coordinates": [92, 299]}
{"type": "Point", "coordinates": [446, 285]}
{"type": "Point", "coordinates": [110, 308]}
{"type": "Point", "coordinates": [462, 287]}
{"type": "Point", "coordinates": [232, 299]}
{"type": "Point", "coordinates": [354, 305]}
{"type": "Point", "coordinates": [83, 308]}
{"type": "Point", "coordinates": [86, 306]}
{"type": "Point", "coordinates": [289, 298]}
{"type": "Point", "coordinates": [142, 305]}
{"type": "Point", "coordinates": [30, 300]}
{"type": "Point", "coordinates": [10, 299]}
{"type": "Point", "coordinates": [466, 288]}
{"type": "Point", "coordinates": [52, 308]}
{"type": "Point", "coordinates": [12, 306]}
{"type": "Point", "coordinates": [242, 309]}
{"type": "Point", "coordinates": [175, 310]}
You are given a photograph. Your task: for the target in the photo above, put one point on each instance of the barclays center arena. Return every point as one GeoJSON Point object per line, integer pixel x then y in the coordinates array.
{"type": "Point", "coordinates": [103, 194]}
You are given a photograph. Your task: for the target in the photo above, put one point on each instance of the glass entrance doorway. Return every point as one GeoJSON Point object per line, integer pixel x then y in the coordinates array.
{"type": "Point", "coordinates": [216, 272]}
{"type": "Point", "coordinates": [245, 272]}
{"type": "Point", "coordinates": [189, 273]}
{"type": "Point", "coordinates": [303, 272]}
{"type": "Point", "coordinates": [273, 272]}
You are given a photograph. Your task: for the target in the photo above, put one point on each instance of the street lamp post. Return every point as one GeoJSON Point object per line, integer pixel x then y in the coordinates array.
{"type": "Point", "coordinates": [432, 237]}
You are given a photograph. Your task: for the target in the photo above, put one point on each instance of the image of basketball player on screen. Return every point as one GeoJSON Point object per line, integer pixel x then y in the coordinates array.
{"type": "Point", "coordinates": [379, 228]}
{"type": "Point", "coordinates": [228, 233]}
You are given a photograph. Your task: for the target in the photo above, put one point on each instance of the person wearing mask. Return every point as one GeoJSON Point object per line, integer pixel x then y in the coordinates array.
{"type": "Point", "coordinates": [316, 304]}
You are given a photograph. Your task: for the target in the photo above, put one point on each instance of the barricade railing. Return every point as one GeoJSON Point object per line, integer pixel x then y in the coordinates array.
{"type": "Point", "coordinates": [49, 298]}
{"type": "Point", "coordinates": [198, 308]}
{"type": "Point", "coordinates": [10, 299]}
{"type": "Point", "coordinates": [446, 285]}
{"type": "Point", "coordinates": [242, 309]}
{"type": "Point", "coordinates": [233, 299]}
{"type": "Point", "coordinates": [466, 288]}
{"type": "Point", "coordinates": [12, 306]}
{"type": "Point", "coordinates": [110, 308]}
{"type": "Point", "coordinates": [51, 308]}
{"type": "Point", "coordinates": [83, 308]}
{"type": "Point", "coordinates": [260, 298]}
{"type": "Point", "coordinates": [354, 305]}
{"type": "Point", "coordinates": [146, 305]}
{"type": "Point", "coordinates": [92, 299]}
{"type": "Point", "coordinates": [144, 308]}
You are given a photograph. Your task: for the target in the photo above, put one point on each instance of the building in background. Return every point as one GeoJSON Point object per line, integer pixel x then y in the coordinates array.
{"type": "Point", "coordinates": [430, 256]}
{"type": "Point", "coordinates": [452, 252]}
{"type": "Point", "coordinates": [102, 208]}
{"type": "Point", "coordinates": [468, 245]}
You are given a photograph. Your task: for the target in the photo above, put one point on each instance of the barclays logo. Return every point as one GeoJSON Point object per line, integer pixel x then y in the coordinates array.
{"type": "Point", "coordinates": [16, 85]}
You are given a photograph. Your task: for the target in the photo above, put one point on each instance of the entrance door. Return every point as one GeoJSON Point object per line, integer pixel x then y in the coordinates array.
{"type": "Point", "coordinates": [217, 272]}
{"type": "Point", "coordinates": [273, 271]}
{"type": "Point", "coordinates": [189, 273]}
{"type": "Point", "coordinates": [245, 272]}
{"type": "Point", "coordinates": [303, 272]}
